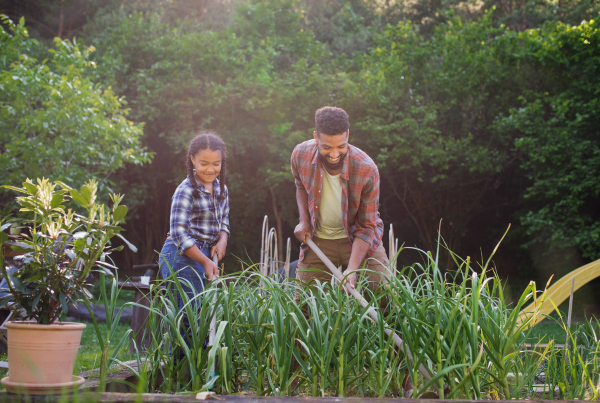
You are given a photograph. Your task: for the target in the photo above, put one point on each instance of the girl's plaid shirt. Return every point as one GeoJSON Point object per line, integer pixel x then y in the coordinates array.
{"type": "Point", "coordinates": [198, 219]}
{"type": "Point", "coordinates": [360, 191]}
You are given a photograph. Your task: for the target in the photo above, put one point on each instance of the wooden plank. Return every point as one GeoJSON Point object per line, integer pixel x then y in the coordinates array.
{"type": "Point", "coordinates": [153, 397]}
{"type": "Point", "coordinates": [163, 398]}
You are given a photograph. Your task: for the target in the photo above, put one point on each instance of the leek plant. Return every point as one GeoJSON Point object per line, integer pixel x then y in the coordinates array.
{"type": "Point", "coordinates": [571, 371]}
{"type": "Point", "coordinates": [252, 332]}
{"type": "Point", "coordinates": [384, 361]}
{"type": "Point", "coordinates": [456, 323]}
{"type": "Point", "coordinates": [460, 327]}
{"type": "Point", "coordinates": [332, 335]}
{"type": "Point", "coordinates": [177, 359]}
{"type": "Point", "coordinates": [284, 329]}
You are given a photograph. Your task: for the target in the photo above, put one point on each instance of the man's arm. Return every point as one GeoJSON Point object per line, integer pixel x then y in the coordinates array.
{"type": "Point", "coordinates": [357, 256]}
{"type": "Point", "coordinates": [364, 233]}
{"type": "Point", "coordinates": [303, 229]}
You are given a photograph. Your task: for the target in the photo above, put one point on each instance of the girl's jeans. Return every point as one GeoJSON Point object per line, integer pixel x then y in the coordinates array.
{"type": "Point", "coordinates": [171, 261]}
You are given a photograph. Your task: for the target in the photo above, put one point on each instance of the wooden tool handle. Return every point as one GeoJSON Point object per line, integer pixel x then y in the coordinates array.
{"type": "Point", "coordinates": [213, 321]}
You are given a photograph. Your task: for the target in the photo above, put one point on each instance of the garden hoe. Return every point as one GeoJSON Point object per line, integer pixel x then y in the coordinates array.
{"type": "Point", "coordinates": [211, 339]}
{"type": "Point", "coordinates": [337, 273]}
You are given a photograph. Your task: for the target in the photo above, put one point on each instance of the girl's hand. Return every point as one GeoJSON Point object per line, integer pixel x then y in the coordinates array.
{"type": "Point", "coordinates": [211, 270]}
{"type": "Point", "coordinates": [220, 247]}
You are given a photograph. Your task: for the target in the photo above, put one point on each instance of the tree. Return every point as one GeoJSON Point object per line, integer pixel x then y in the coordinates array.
{"type": "Point", "coordinates": [424, 108]}
{"type": "Point", "coordinates": [47, 19]}
{"type": "Point", "coordinates": [56, 122]}
{"type": "Point", "coordinates": [557, 128]}
{"type": "Point", "coordinates": [257, 83]}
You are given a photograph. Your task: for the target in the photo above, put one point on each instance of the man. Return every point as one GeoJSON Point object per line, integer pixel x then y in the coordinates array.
{"type": "Point", "coordinates": [337, 191]}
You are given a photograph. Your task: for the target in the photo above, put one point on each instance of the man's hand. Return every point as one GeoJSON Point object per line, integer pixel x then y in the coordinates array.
{"type": "Point", "coordinates": [358, 254]}
{"type": "Point", "coordinates": [302, 231]}
{"type": "Point", "coordinates": [350, 279]}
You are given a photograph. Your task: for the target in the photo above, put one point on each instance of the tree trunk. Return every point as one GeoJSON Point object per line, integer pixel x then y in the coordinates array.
{"type": "Point", "coordinates": [61, 19]}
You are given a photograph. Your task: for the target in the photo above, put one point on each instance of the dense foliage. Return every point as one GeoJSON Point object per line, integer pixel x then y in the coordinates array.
{"type": "Point", "coordinates": [479, 116]}
{"type": "Point", "coordinates": [60, 248]}
{"type": "Point", "coordinates": [557, 128]}
{"type": "Point", "coordinates": [56, 122]}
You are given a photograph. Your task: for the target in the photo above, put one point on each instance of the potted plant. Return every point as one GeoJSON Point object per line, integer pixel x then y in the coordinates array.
{"type": "Point", "coordinates": [60, 250]}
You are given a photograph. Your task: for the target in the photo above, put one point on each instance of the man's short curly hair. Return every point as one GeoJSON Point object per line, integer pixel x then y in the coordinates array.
{"type": "Point", "coordinates": [331, 120]}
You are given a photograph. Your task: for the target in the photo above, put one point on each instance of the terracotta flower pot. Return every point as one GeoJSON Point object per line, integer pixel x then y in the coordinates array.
{"type": "Point", "coordinates": [41, 358]}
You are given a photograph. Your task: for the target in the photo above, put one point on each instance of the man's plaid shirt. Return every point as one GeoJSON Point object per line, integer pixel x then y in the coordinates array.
{"type": "Point", "coordinates": [360, 191]}
{"type": "Point", "coordinates": [198, 219]}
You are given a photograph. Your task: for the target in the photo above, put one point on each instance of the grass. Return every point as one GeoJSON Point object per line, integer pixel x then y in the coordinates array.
{"type": "Point", "coordinates": [89, 354]}
{"type": "Point", "coordinates": [547, 330]}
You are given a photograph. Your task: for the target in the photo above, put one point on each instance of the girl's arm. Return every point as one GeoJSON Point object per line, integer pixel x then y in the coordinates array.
{"type": "Point", "coordinates": [221, 245]}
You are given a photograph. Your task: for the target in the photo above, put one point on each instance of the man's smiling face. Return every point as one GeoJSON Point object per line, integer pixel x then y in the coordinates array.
{"type": "Point", "coordinates": [332, 149]}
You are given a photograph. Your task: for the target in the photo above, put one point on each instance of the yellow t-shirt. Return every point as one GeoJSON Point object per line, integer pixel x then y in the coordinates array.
{"type": "Point", "coordinates": [330, 224]}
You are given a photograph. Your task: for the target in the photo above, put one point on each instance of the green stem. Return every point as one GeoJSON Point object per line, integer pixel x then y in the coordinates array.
{"type": "Point", "coordinates": [314, 381]}
{"type": "Point", "coordinates": [439, 360]}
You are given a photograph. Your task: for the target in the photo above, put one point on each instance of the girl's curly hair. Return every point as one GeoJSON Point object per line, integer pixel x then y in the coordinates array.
{"type": "Point", "coordinates": [203, 141]}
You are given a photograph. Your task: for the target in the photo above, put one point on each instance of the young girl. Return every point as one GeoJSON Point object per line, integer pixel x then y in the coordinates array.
{"type": "Point", "coordinates": [199, 224]}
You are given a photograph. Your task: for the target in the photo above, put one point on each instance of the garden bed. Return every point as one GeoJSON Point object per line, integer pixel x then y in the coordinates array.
{"type": "Point", "coordinates": [164, 398]}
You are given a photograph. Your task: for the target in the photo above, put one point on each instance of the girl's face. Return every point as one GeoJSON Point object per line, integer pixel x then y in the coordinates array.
{"type": "Point", "coordinates": [207, 164]}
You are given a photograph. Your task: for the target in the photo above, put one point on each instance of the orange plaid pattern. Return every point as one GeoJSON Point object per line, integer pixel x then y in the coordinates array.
{"type": "Point", "coordinates": [360, 191]}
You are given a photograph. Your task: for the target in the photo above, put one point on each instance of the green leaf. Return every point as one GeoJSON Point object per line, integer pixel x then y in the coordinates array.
{"type": "Point", "coordinates": [64, 186]}
{"type": "Point", "coordinates": [56, 201]}
{"type": "Point", "coordinates": [20, 190]}
{"type": "Point", "coordinates": [35, 277]}
{"type": "Point", "coordinates": [119, 213]}
{"type": "Point", "coordinates": [63, 302]}
{"type": "Point", "coordinates": [129, 244]}
{"type": "Point", "coordinates": [30, 187]}
{"type": "Point", "coordinates": [36, 301]}
{"type": "Point", "coordinates": [86, 193]}
{"type": "Point", "coordinates": [5, 300]}
{"type": "Point", "coordinates": [78, 198]}
{"type": "Point", "coordinates": [3, 237]}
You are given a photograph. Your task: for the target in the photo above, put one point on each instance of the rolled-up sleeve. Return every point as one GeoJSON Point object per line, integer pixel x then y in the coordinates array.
{"type": "Point", "coordinates": [294, 163]}
{"type": "Point", "coordinates": [225, 217]}
{"type": "Point", "coordinates": [366, 218]}
{"type": "Point", "coordinates": [181, 214]}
